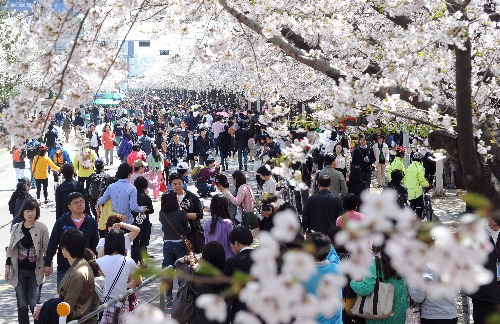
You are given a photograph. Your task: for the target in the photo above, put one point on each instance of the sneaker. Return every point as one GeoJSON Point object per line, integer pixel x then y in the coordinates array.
{"type": "Point", "coordinates": [170, 305]}
{"type": "Point", "coordinates": [46, 201]}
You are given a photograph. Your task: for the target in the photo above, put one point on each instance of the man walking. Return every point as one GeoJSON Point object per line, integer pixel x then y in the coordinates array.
{"type": "Point", "coordinates": [321, 209]}
{"type": "Point", "coordinates": [338, 185]}
{"type": "Point", "coordinates": [242, 136]}
{"type": "Point", "coordinates": [364, 157]}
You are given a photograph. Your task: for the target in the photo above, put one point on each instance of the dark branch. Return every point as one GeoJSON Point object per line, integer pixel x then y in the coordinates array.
{"type": "Point", "coordinates": [401, 21]}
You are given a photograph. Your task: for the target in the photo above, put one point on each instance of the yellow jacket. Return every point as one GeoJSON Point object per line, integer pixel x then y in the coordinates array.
{"type": "Point", "coordinates": [40, 164]}
{"type": "Point", "coordinates": [84, 168]}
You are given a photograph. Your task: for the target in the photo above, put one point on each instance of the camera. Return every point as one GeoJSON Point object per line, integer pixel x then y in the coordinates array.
{"type": "Point", "coordinates": [266, 207]}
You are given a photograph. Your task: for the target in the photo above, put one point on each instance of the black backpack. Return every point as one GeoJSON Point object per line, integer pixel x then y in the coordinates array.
{"type": "Point", "coordinates": [97, 183]}
{"type": "Point", "coordinates": [32, 150]}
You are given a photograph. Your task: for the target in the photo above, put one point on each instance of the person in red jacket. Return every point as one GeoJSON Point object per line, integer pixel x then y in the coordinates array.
{"type": "Point", "coordinates": [135, 155]}
{"type": "Point", "coordinates": [108, 140]}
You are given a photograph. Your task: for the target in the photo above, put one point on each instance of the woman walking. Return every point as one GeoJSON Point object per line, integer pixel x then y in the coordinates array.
{"type": "Point", "coordinates": [155, 164]}
{"type": "Point", "coordinates": [108, 140]}
{"type": "Point", "coordinates": [25, 257]}
{"type": "Point", "coordinates": [41, 162]}
{"type": "Point", "coordinates": [175, 227]}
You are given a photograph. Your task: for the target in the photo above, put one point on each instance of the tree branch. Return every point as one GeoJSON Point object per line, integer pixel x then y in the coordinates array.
{"type": "Point", "coordinates": [401, 21]}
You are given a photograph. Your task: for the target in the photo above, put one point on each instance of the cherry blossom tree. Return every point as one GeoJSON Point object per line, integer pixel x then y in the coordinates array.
{"type": "Point", "coordinates": [431, 62]}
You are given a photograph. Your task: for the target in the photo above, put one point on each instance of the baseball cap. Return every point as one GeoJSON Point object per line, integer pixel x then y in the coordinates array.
{"type": "Point", "coordinates": [24, 180]}
{"type": "Point", "coordinates": [139, 163]}
{"type": "Point", "coordinates": [99, 163]}
{"type": "Point", "coordinates": [183, 166]}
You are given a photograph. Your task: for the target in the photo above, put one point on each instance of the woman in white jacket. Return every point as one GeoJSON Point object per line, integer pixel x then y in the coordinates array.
{"type": "Point", "coordinates": [381, 151]}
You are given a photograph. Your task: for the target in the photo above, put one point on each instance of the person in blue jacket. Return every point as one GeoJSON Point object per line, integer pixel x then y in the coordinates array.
{"type": "Point", "coordinates": [65, 154]}
{"type": "Point", "coordinates": [323, 246]}
{"type": "Point", "coordinates": [75, 218]}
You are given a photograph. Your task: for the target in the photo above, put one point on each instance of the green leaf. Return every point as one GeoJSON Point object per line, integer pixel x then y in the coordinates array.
{"type": "Point", "coordinates": [476, 200]}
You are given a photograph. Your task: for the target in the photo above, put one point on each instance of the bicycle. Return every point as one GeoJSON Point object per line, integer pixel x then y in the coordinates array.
{"type": "Point", "coordinates": [428, 211]}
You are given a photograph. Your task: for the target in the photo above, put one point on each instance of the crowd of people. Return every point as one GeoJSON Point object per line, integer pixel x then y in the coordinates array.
{"type": "Point", "coordinates": [160, 146]}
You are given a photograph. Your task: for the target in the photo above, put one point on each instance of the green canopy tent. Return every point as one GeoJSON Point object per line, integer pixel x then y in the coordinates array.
{"type": "Point", "coordinates": [114, 96]}
{"type": "Point", "coordinates": [105, 102]}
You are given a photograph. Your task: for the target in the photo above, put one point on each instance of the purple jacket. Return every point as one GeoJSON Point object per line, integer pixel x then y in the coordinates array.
{"type": "Point", "coordinates": [220, 234]}
{"type": "Point", "coordinates": [206, 174]}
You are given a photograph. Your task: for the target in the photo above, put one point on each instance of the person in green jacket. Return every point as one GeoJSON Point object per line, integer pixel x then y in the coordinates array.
{"type": "Point", "coordinates": [388, 275]}
{"type": "Point", "coordinates": [415, 182]}
{"type": "Point", "coordinates": [397, 164]}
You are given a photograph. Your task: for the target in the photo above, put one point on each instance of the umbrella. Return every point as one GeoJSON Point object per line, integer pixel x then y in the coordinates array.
{"type": "Point", "coordinates": [115, 96]}
{"type": "Point", "coordinates": [105, 102]}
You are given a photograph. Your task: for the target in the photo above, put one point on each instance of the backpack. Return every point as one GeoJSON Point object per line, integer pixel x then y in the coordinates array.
{"type": "Point", "coordinates": [32, 150]}
{"type": "Point", "coordinates": [97, 184]}
{"type": "Point", "coordinates": [58, 158]}
{"type": "Point", "coordinates": [19, 204]}
{"type": "Point", "coordinates": [195, 174]}
{"type": "Point", "coordinates": [18, 155]}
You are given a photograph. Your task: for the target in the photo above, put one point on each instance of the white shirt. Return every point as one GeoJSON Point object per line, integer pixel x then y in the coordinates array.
{"type": "Point", "coordinates": [128, 244]}
{"type": "Point", "coordinates": [110, 265]}
{"type": "Point", "coordinates": [210, 119]}
{"type": "Point", "coordinates": [269, 186]}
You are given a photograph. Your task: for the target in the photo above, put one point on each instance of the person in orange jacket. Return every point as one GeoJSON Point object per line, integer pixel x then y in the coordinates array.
{"type": "Point", "coordinates": [108, 140]}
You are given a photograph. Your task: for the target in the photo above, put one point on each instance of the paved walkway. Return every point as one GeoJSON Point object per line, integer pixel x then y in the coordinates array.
{"type": "Point", "coordinates": [446, 208]}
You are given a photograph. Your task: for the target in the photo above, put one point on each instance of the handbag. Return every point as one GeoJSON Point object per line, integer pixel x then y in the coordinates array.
{"type": "Point", "coordinates": [378, 305]}
{"type": "Point", "coordinates": [250, 219]}
{"type": "Point", "coordinates": [163, 186]}
{"type": "Point", "coordinates": [412, 312]}
{"type": "Point", "coordinates": [133, 302]}
{"type": "Point", "coordinates": [187, 243]}
{"type": "Point", "coordinates": [199, 237]}
{"type": "Point", "coordinates": [183, 306]}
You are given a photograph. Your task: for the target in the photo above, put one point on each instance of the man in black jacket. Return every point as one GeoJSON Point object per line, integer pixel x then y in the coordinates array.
{"type": "Point", "coordinates": [241, 135]}
{"type": "Point", "coordinates": [241, 240]}
{"type": "Point", "coordinates": [486, 300]}
{"type": "Point", "coordinates": [321, 209]}
{"type": "Point", "coordinates": [50, 137]}
{"type": "Point", "coordinates": [68, 186]}
{"type": "Point", "coordinates": [76, 218]}
{"type": "Point", "coordinates": [364, 157]}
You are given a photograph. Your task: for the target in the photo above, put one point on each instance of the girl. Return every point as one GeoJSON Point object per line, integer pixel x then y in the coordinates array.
{"type": "Point", "coordinates": [117, 268]}
{"type": "Point", "coordinates": [218, 227]}
{"type": "Point", "coordinates": [155, 164]}
{"type": "Point", "coordinates": [25, 259]}
{"type": "Point", "coordinates": [244, 195]}
{"type": "Point", "coordinates": [115, 223]}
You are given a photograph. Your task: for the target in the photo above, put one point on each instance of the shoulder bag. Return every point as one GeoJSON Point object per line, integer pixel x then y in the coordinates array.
{"type": "Point", "coordinates": [183, 306]}
{"type": "Point", "coordinates": [250, 218]}
{"type": "Point", "coordinates": [378, 305]}
{"type": "Point", "coordinates": [185, 241]}
{"type": "Point", "coordinates": [105, 300]}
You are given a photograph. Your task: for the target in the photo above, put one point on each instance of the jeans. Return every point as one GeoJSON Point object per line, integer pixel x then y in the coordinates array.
{"type": "Point", "coordinates": [19, 173]}
{"type": "Point", "coordinates": [27, 294]}
{"type": "Point", "coordinates": [205, 188]}
{"type": "Point", "coordinates": [33, 183]}
{"type": "Point", "coordinates": [242, 152]}
{"type": "Point", "coordinates": [109, 156]}
{"type": "Point", "coordinates": [223, 159]}
{"type": "Point", "coordinates": [39, 183]}
{"type": "Point", "coordinates": [171, 252]}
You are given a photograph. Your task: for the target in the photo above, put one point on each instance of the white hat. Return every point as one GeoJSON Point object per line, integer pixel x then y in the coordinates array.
{"type": "Point", "coordinates": [182, 166]}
